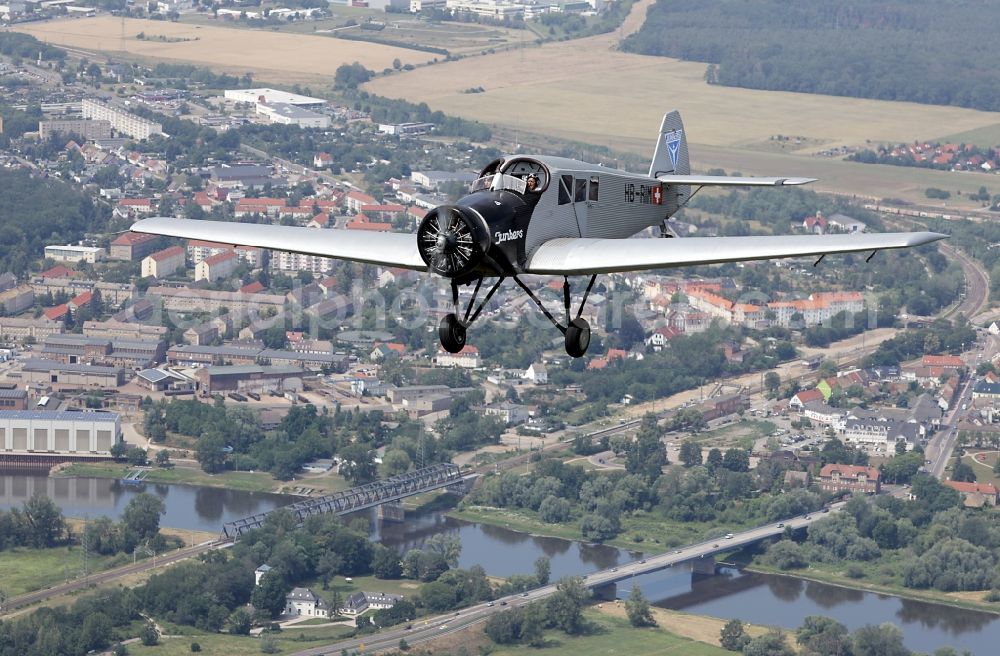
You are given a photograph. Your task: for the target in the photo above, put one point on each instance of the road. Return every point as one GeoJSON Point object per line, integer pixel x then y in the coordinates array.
{"type": "Point", "coordinates": [441, 625]}
{"type": "Point", "coordinates": [112, 574]}
{"type": "Point", "coordinates": [977, 283]}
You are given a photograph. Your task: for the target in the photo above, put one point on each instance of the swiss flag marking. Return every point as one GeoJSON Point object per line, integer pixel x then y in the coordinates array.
{"type": "Point", "coordinates": [657, 195]}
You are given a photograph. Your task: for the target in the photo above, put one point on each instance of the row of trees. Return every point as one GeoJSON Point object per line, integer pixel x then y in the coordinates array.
{"type": "Point", "coordinates": [868, 49]}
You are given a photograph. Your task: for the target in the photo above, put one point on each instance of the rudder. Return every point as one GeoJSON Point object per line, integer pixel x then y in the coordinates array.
{"type": "Point", "coordinates": [671, 154]}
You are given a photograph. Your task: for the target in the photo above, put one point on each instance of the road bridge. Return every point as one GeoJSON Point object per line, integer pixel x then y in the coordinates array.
{"type": "Point", "coordinates": [369, 495]}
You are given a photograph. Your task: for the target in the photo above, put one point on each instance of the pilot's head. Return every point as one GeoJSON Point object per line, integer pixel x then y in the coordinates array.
{"type": "Point", "coordinates": [532, 183]}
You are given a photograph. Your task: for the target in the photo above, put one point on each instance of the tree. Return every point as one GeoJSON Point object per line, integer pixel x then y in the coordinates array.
{"type": "Point", "coordinates": [543, 569]}
{"type": "Point", "coordinates": [690, 453]}
{"type": "Point", "coordinates": [637, 609]}
{"type": "Point", "coordinates": [118, 450]}
{"type": "Point", "coordinates": [385, 563]}
{"type": "Point", "coordinates": [211, 451]}
{"type": "Point", "coordinates": [141, 517]}
{"type": "Point", "coordinates": [149, 635]}
{"type": "Point", "coordinates": [733, 636]}
{"type": "Point", "coordinates": [964, 473]}
{"type": "Point", "coordinates": [136, 456]}
{"type": "Point", "coordinates": [162, 458]}
{"type": "Point", "coordinates": [269, 596]}
{"type": "Point", "coordinates": [565, 607]}
{"type": "Point", "coordinates": [240, 622]}
{"type": "Point", "coordinates": [359, 464]}
{"type": "Point", "coordinates": [883, 640]}
{"type": "Point", "coordinates": [786, 555]}
{"type": "Point", "coordinates": [824, 636]}
{"type": "Point", "coordinates": [772, 382]}
{"type": "Point", "coordinates": [736, 460]}
{"type": "Point", "coordinates": [714, 460]}
{"type": "Point", "coordinates": [772, 643]}
{"type": "Point", "coordinates": [45, 522]}
{"type": "Point", "coordinates": [646, 454]}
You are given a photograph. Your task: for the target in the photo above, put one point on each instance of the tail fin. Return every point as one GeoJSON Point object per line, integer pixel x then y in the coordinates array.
{"type": "Point", "coordinates": [671, 154]}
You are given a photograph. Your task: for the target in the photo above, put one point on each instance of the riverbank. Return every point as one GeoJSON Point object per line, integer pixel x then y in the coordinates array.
{"type": "Point", "coordinates": [965, 600]}
{"type": "Point", "coordinates": [641, 532]}
{"type": "Point", "coordinates": [232, 480]}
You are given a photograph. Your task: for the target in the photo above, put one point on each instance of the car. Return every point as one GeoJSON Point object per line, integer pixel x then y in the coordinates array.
{"type": "Point", "coordinates": [826, 510]}
{"type": "Point", "coordinates": [407, 627]}
{"type": "Point", "coordinates": [678, 551]}
{"type": "Point", "coordinates": [503, 603]}
{"type": "Point", "coordinates": [614, 569]}
{"type": "Point", "coordinates": [524, 594]}
{"type": "Point", "coordinates": [642, 562]}
{"type": "Point", "coordinates": [492, 604]}
{"type": "Point", "coordinates": [442, 627]}
{"type": "Point", "coordinates": [781, 525]}
{"type": "Point", "coordinates": [729, 536]}
{"type": "Point", "coordinates": [808, 517]}
{"type": "Point", "coordinates": [715, 546]}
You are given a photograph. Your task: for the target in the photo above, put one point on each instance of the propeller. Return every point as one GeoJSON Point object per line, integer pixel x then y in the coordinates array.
{"type": "Point", "coordinates": [448, 243]}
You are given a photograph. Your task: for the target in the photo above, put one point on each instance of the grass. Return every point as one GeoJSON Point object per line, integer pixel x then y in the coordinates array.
{"type": "Point", "coordinates": [245, 481]}
{"type": "Point", "coordinates": [641, 532]}
{"type": "Point", "coordinates": [730, 434]}
{"type": "Point", "coordinates": [987, 136]}
{"type": "Point", "coordinates": [404, 587]}
{"type": "Point", "coordinates": [614, 635]}
{"type": "Point", "coordinates": [26, 570]}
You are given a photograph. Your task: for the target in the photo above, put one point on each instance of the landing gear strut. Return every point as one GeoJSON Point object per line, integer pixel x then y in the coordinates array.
{"type": "Point", "coordinates": [577, 330]}
{"type": "Point", "coordinates": [452, 329]}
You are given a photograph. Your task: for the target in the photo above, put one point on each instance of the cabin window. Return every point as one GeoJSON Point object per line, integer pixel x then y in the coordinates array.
{"type": "Point", "coordinates": [581, 190]}
{"type": "Point", "coordinates": [565, 189]}
{"type": "Point", "coordinates": [595, 183]}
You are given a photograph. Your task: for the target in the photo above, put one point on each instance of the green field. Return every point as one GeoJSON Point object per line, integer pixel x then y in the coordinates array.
{"type": "Point", "coordinates": [217, 644]}
{"type": "Point", "coordinates": [26, 570]}
{"type": "Point", "coordinates": [614, 635]}
{"type": "Point", "coordinates": [255, 482]}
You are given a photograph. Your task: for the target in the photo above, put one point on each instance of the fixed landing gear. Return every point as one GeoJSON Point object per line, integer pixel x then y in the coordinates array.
{"type": "Point", "coordinates": [577, 337]}
{"type": "Point", "coordinates": [453, 327]}
{"type": "Point", "coordinates": [451, 331]}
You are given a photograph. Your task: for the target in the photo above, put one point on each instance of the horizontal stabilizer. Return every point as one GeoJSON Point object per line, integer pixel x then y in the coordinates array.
{"type": "Point", "coordinates": [730, 181]}
{"type": "Point", "coordinates": [589, 256]}
{"type": "Point", "coordinates": [385, 248]}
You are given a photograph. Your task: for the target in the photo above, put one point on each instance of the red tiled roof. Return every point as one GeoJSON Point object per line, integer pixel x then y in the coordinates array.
{"type": "Point", "coordinates": [219, 257]}
{"type": "Point", "coordinates": [942, 361]}
{"type": "Point", "coordinates": [135, 202]}
{"type": "Point", "coordinates": [82, 299]}
{"type": "Point", "coordinates": [166, 253]}
{"type": "Point", "coordinates": [132, 238]}
{"type": "Point", "coordinates": [368, 225]}
{"type": "Point", "coordinates": [971, 488]}
{"type": "Point", "coordinates": [57, 312]}
{"type": "Point", "coordinates": [59, 271]}
{"type": "Point", "coordinates": [254, 287]}
{"type": "Point", "coordinates": [849, 471]}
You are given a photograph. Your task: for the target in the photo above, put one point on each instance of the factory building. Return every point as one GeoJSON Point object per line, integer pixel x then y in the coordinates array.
{"type": "Point", "coordinates": [59, 432]}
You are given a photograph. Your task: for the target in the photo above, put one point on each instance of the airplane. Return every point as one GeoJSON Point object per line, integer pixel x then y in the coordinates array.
{"type": "Point", "coordinates": [548, 216]}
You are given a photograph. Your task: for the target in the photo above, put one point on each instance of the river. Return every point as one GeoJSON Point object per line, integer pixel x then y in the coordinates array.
{"type": "Point", "coordinates": [758, 598]}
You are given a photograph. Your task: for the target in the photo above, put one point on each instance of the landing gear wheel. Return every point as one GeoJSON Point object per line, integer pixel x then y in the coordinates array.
{"type": "Point", "coordinates": [577, 337]}
{"type": "Point", "coordinates": [451, 331]}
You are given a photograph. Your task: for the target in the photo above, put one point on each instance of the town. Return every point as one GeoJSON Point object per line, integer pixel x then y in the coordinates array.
{"type": "Point", "coordinates": [742, 412]}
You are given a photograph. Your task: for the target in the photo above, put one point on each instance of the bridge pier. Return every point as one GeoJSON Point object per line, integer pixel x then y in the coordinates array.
{"type": "Point", "coordinates": [391, 512]}
{"type": "Point", "coordinates": [606, 592]}
{"type": "Point", "coordinates": [703, 565]}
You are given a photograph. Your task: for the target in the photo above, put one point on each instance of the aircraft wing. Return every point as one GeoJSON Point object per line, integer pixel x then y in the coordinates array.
{"type": "Point", "coordinates": [385, 248]}
{"type": "Point", "coordinates": [588, 256]}
{"type": "Point", "coordinates": [730, 181]}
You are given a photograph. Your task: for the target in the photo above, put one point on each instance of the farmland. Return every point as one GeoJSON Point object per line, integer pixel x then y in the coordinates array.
{"type": "Point", "coordinates": [270, 56]}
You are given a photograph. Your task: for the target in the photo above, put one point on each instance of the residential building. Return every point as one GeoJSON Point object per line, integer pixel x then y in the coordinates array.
{"type": "Point", "coordinates": [131, 246]}
{"type": "Point", "coordinates": [881, 436]}
{"type": "Point", "coordinates": [59, 432]}
{"type": "Point", "coordinates": [163, 263]}
{"type": "Point", "coordinates": [13, 399]}
{"type": "Point", "coordinates": [200, 250]}
{"type": "Point", "coordinates": [355, 199]}
{"type": "Point", "coordinates": [303, 601]}
{"type": "Point", "coordinates": [849, 478]}
{"type": "Point", "coordinates": [184, 299]}
{"type": "Point", "coordinates": [123, 122]}
{"type": "Point", "coordinates": [259, 573]}
{"type": "Point", "coordinates": [217, 267]}
{"type": "Point", "coordinates": [975, 495]}
{"type": "Point", "coordinates": [72, 253]}
{"type": "Point", "coordinates": [360, 602]}
{"type": "Point", "coordinates": [113, 329]}
{"type": "Point", "coordinates": [284, 261]}
{"type": "Point", "coordinates": [17, 299]}
{"type": "Point", "coordinates": [19, 329]}
{"type": "Point", "coordinates": [112, 293]}
{"type": "Point", "coordinates": [263, 206]}
{"type": "Point", "coordinates": [202, 335]}
{"type": "Point", "coordinates": [511, 414]}
{"type": "Point", "coordinates": [467, 358]}
{"type": "Point", "coordinates": [536, 373]}
{"type": "Point", "coordinates": [986, 390]}
{"type": "Point", "coordinates": [84, 128]}
{"type": "Point", "coordinates": [135, 207]}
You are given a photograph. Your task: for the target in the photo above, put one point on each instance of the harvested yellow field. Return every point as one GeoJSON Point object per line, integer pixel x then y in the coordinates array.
{"type": "Point", "coordinates": [272, 56]}
{"type": "Point", "coordinates": [586, 90]}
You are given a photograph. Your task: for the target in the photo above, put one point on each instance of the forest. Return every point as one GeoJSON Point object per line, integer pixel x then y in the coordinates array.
{"type": "Point", "coordinates": [881, 49]}
{"type": "Point", "coordinates": [35, 212]}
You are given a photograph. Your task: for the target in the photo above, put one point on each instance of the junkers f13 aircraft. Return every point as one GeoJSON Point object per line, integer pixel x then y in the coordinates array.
{"type": "Point", "coordinates": [548, 216]}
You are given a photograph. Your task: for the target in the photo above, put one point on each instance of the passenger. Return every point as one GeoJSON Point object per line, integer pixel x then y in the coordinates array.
{"type": "Point", "coordinates": [532, 183]}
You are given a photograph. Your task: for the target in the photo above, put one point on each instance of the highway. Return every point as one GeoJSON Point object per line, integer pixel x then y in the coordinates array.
{"type": "Point", "coordinates": [434, 627]}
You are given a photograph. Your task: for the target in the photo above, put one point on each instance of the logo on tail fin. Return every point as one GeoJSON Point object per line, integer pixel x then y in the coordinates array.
{"type": "Point", "coordinates": [673, 141]}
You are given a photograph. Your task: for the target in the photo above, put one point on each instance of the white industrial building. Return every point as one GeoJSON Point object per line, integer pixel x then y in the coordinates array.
{"type": "Point", "coordinates": [288, 114]}
{"type": "Point", "coordinates": [59, 432]}
{"type": "Point", "coordinates": [268, 96]}
{"type": "Point", "coordinates": [73, 253]}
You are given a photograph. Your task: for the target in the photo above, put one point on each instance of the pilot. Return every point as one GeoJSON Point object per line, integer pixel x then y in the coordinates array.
{"type": "Point", "coordinates": [532, 183]}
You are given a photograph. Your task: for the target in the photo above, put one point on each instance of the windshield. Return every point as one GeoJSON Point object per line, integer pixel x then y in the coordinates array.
{"type": "Point", "coordinates": [500, 182]}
